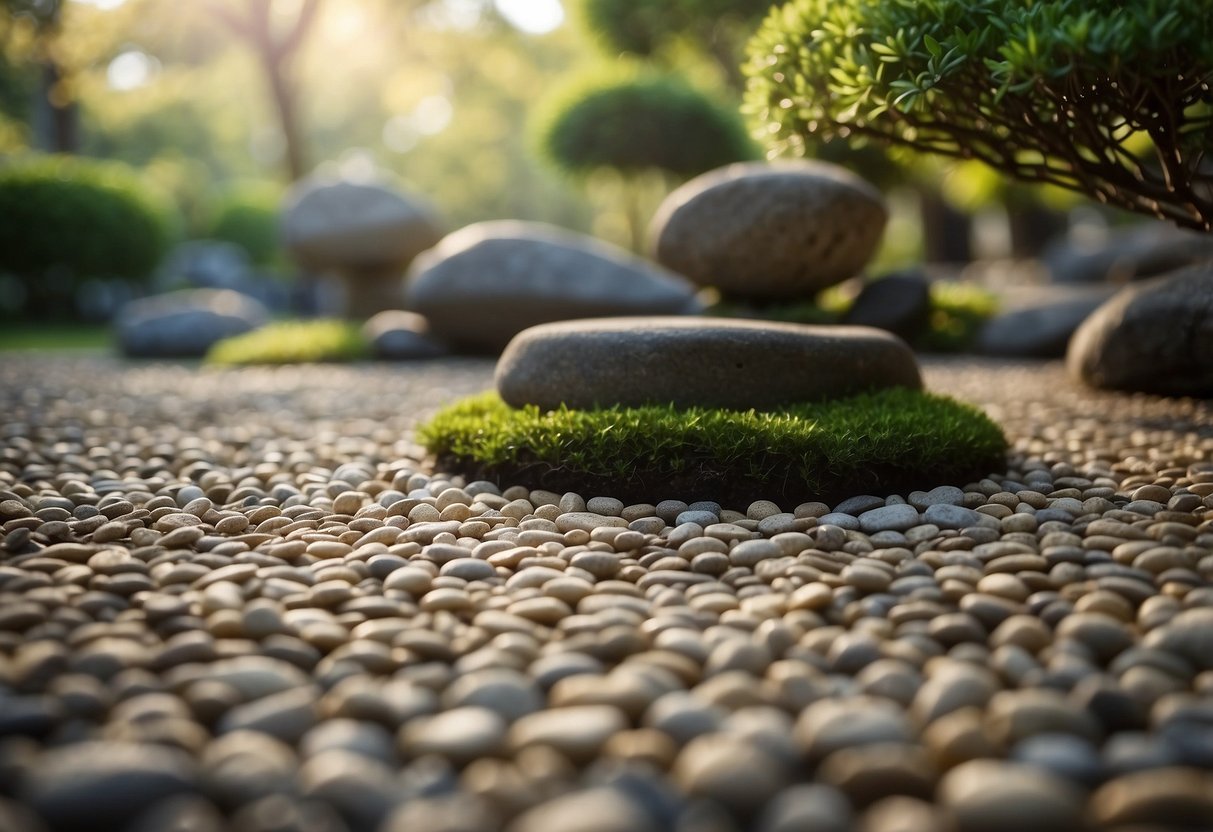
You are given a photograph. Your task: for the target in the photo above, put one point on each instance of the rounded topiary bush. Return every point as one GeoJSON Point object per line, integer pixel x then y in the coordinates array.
{"type": "Point", "coordinates": [640, 122]}
{"type": "Point", "coordinates": [68, 220]}
{"type": "Point", "coordinates": [248, 217]}
{"type": "Point", "coordinates": [885, 442]}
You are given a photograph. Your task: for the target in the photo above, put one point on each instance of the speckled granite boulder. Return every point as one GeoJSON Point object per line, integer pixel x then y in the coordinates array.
{"type": "Point", "coordinates": [768, 231]}
{"type": "Point", "coordinates": [1154, 337]}
{"type": "Point", "coordinates": [698, 362]}
{"type": "Point", "coordinates": [486, 283]}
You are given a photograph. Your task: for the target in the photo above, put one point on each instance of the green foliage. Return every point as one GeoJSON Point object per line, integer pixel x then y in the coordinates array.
{"type": "Point", "coordinates": [248, 216]}
{"type": "Point", "coordinates": [67, 220]}
{"type": "Point", "coordinates": [958, 311]}
{"type": "Point", "coordinates": [1049, 91]}
{"type": "Point", "coordinates": [889, 440]}
{"type": "Point", "coordinates": [293, 342]}
{"type": "Point", "coordinates": [648, 28]}
{"type": "Point", "coordinates": [641, 122]}
{"type": "Point", "coordinates": [43, 336]}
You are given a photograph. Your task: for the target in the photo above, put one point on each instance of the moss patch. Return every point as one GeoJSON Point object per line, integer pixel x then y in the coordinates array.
{"type": "Point", "coordinates": [958, 311]}
{"type": "Point", "coordinates": [293, 342]}
{"type": "Point", "coordinates": [891, 441]}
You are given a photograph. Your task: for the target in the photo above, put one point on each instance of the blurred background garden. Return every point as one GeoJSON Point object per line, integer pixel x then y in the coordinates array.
{"type": "Point", "coordinates": [148, 146]}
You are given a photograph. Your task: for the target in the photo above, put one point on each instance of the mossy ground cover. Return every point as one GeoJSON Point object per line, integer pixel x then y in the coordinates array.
{"type": "Point", "coordinates": [958, 311]}
{"type": "Point", "coordinates": [884, 442]}
{"type": "Point", "coordinates": [293, 342]}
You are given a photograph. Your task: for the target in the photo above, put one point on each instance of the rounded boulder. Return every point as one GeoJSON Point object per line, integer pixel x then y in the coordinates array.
{"type": "Point", "coordinates": [487, 282]}
{"type": "Point", "coordinates": [770, 231]}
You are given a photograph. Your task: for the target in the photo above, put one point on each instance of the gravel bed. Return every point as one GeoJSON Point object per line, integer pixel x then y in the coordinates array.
{"type": "Point", "coordinates": [239, 600]}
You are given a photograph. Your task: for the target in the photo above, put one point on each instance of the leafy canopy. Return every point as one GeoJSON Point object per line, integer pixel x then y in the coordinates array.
{"type": "Point", "coordinates": [642, 122]}
{"type": "Point", "coordinates": [1110, 98]}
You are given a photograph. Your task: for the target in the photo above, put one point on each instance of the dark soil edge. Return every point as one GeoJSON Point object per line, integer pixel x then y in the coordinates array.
{"type": "Point", "coordinates": [720, 486]}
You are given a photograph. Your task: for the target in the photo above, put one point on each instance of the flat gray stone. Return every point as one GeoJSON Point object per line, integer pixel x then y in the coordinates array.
{"type": "Point", "coordinates": [187, 323]}
{"type": "Point", "coordinates": [1151, 338]}
{"type": "Point", "coordinates": [763, 230]}
{"type": "Point", "coordinates": [948, 516]}
{"type": "Point", "coordinates": [396, 335]}
{"type": "Point", "coordinates": [941, 495]}
{"type": "Point", "coordinates": [889, 518]}
{"type": "Point", "coordinates": [698, 362]}
{"type": "Point", "coordinates": [898, 303]}
{"type": "Point", "coordinates": [487, 282]}
{"type": "Point", "coordinates": [1042, 330]}
{"type": "Point", "coordinates": [103, 785]}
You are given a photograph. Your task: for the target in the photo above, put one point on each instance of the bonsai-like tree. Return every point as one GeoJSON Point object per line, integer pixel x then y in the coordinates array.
{"type": "Point", "coordinates": [640, 124]}
{"type": "Point", "coordinates": [1108, 98]}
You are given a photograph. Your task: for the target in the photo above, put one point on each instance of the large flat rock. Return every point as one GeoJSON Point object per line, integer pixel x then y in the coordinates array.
{"type": "Point", "coordinates": [485, 283]}
{"type": "Point", "coordinates": [698, 362]}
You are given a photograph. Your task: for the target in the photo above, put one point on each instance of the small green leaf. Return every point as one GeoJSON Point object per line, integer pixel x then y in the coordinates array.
{"type": "Point", "coordinates": [932, 46]}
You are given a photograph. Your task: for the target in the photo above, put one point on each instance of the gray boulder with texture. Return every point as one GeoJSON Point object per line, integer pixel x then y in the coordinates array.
{"type": "Point", "coordinates": [698, 362]}
{"type": "Point", "coordinates": [1153, 337]}
{"type": "Point", "coordinates": [770, 231]}
{"type": "Point", "coordinates": [486, 283]}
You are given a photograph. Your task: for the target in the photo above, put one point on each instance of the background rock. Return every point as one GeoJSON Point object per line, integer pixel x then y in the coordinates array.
{"type": "Point", "coordinates": [187, 323]}
{"type": "Point", "coordinates": [487, 282]}
{"type": "Point", "coordinates": [1153, 337]}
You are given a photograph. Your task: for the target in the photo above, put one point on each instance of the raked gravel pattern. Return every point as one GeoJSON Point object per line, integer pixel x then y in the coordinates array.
{"type": "Point", "coordinates": [238, 600]}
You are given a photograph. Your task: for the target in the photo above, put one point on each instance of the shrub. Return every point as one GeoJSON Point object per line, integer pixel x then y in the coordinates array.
{"type": "Point", "coordinates": [894, 440]}
{"type": "Point", "coordinates": [248, 217]}
{"type": "Point", "coordinates": [67, 220]}
{"type": "Point", "coordinates": [642, 122]}
{"type": "Point", "coordinates": [293, 342]}
{"type": "Point", "coordinates": [1104, 97]}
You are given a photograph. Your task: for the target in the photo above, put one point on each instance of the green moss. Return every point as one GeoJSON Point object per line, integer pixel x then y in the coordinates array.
{"type": "Point", "coordinates": [293, 342]}
{"type": "Point", "coordinates": [889, 441]}
{"type": "Point", "coordinates": [958, 311]}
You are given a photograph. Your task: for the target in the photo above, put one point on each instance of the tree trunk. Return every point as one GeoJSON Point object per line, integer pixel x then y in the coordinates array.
{"type": "Point", "coordinates": [947, 233]}
{"type": "Point", "coordinates": [282, 91]}
{"type": "Point", "coordinates": [56, 123]}
{"type": "Point", "coordinates": [1033, 227]}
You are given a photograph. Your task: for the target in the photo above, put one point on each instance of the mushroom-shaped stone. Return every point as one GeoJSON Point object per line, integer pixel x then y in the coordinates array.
{"type": "Point", "coordinates": [698, 362]}
{"type": "Point", "coordinates": [366, 233]}
{"type": "Point", "coordinates": [769, 231]}
{"type": "Point", "coordinates": [485, 283]}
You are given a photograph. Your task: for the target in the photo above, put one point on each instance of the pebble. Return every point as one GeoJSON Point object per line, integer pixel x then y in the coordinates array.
{"type": "Point", "coordinates": [301, 618]}
{"type": "Point", "coordinates": [992, 796]}
{"type": "Point", "coordinates": [95, 785]}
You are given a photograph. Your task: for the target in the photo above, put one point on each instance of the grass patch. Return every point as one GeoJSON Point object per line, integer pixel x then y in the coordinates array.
{"type": "Point", "coordinates": [43, 337]}
{"type": "Point", "coordinates": [958, 311]}
{"type": "Point", "coordinates": [890, 441]}
{"type": "Point", "coordinates": [293, 342]}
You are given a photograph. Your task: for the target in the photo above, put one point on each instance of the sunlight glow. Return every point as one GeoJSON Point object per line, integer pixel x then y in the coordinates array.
{"type": "Point", "coordinates": [104, 5]}
{"type": "Point", "coordinates": [130, 70]}
{"type": "Point", "coordinates": [534, 17]}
